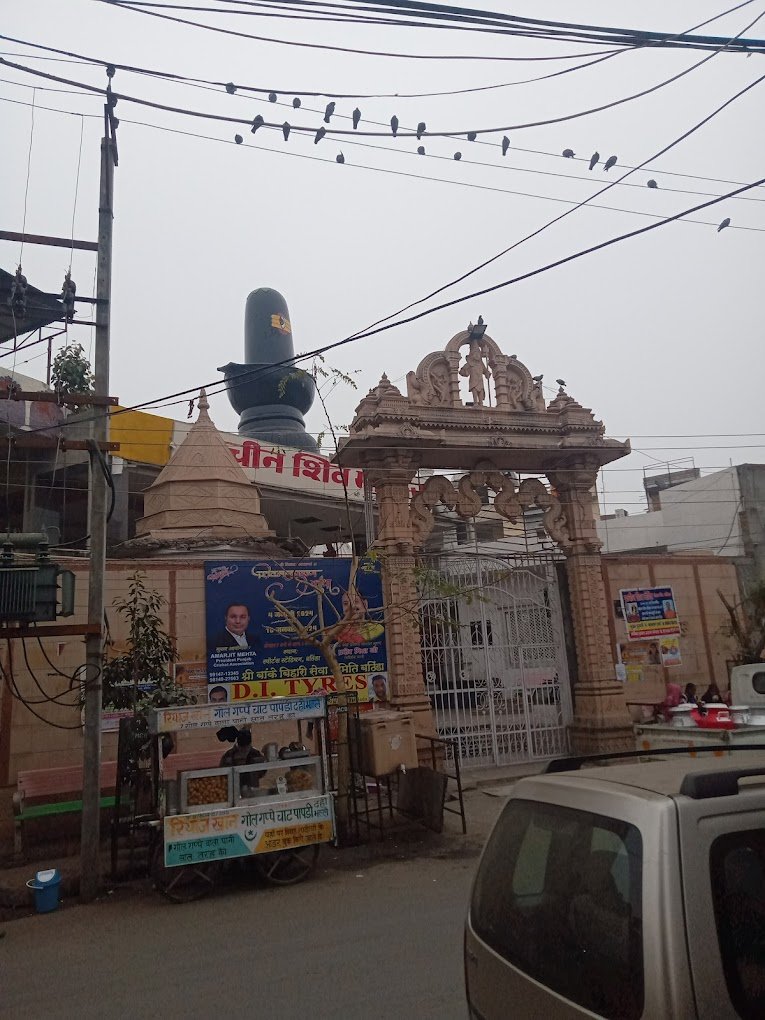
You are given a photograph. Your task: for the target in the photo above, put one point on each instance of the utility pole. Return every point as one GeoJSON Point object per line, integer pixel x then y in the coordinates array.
{"type": "Point", "coordinates": [91, 752]}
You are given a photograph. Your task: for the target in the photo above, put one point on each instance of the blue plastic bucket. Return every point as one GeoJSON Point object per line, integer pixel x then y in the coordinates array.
{"type": "Point", "coordinates": [45, 886]}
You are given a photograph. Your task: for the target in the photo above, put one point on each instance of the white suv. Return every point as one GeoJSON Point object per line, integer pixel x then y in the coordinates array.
{"type": "Point", "coordinates": [624, 891]}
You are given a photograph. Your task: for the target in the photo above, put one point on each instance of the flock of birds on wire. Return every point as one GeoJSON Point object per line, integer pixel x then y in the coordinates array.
{"type": "Point", "coordinates": [259, 121]}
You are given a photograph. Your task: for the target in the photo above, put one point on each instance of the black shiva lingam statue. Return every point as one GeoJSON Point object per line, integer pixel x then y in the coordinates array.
{"type": "Point", "coordinates": [269, 392]}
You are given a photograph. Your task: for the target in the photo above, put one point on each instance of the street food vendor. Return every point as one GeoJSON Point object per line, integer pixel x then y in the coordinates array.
{"type": "Point", "coordinates": [242, 753]}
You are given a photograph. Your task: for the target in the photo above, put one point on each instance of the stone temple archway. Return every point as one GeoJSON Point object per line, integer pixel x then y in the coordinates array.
{"type": "Point", "coordinates": [506, 430]}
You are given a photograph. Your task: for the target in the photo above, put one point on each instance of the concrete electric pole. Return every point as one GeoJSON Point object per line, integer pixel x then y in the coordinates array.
{"type": "Point", "coordinates": [91, 777]}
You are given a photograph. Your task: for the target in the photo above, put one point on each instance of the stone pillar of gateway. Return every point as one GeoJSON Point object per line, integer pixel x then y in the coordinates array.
{"type": "Point", "coordinates": [505, 432]}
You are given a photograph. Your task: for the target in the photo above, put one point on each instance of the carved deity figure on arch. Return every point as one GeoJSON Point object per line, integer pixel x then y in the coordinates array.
{"type": "Point", "coordinates": [476, 370]}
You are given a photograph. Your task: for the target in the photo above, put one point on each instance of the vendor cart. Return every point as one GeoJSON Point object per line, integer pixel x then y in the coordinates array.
{"type": "Point", "coordinates": [274, 813]}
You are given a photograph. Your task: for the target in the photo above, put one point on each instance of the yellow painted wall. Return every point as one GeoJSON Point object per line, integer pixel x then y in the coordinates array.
{"type": "Point", "coordinates": [142, 437]}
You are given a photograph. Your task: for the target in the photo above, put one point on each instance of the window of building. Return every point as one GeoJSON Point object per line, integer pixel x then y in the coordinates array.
{"type": "Point", "coordinates": [488, 531]}
{"type": "Point", "coordinates": [476, 633]}
{"type": "Point", "coordinates": [737, 864]}
{"type": "Point", "coordinates": [559, 895]}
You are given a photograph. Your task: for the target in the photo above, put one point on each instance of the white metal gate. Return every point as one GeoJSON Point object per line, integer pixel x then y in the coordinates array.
{"type": "Point", "coordinates": [494, 657]}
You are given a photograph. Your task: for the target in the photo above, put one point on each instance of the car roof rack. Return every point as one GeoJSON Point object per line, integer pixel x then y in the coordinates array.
{"type": "Point", "coordinates": [701, 785]}
{"type": "Point", "coordinates": [574, 762]}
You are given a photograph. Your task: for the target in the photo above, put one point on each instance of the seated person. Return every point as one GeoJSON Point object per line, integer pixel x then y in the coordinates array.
{"type": "Point", "coordinates": [689, 695]}
{"type": "Point", "coordinates": [243, 753]}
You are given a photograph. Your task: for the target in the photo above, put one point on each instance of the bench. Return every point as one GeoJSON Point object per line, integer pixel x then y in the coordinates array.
{"type": "Point", "coordinates": [46, 786]}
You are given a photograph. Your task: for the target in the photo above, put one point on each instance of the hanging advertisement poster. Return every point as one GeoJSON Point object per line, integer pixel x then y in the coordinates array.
{"type": "Point", "coordinates": [670, 652]}
{"type": "Point", "coordinates": [192, 676]}
{"type": "Point", "coordinates": [253, 649]}
{"type": "Point", "coordinates": [649, 613]}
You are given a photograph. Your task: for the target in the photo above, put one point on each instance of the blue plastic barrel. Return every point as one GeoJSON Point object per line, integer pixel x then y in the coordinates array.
{"type": "Point", "coordinates": [45, 886]}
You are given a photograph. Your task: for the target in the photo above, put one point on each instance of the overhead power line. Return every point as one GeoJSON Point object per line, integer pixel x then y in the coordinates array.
{"type": "Point", "coordinates": [217, 385]}
{"type": "Point", "coordinates": [340, 132]}
{"type": "Point", "coordinates": [281, 90]}
{"type": "Point", "coordinates": [402, 173]}
{"type": "Point", "coordinates": [202, 82]}
{"type": "Point", "coordinates": [458, 18]}
{"type": "Point", "coordinates": [579, 205]}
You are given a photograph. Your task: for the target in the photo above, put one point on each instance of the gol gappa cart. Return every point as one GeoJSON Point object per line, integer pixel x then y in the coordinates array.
{"type": "Point", "coordinates": [275, 813]}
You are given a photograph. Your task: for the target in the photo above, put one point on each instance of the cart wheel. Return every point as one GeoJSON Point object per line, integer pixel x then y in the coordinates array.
{"type": "Point", "coordinates": [285, 867]}
{"type": "Point", "coordinates": [184, 884]}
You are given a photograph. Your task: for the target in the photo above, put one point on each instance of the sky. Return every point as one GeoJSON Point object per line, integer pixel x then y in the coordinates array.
{"type": "Point", "coordinates": [660, 334]}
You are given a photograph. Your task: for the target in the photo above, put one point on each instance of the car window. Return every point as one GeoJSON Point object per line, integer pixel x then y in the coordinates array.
{"type": "Point", "coordinates": [737, 865]}
{"type": "Point", "coordinates": [559, 895]}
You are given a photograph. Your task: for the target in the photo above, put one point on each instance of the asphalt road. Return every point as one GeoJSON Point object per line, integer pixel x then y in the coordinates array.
{"type": "Point", "coordinates": [380, 941]}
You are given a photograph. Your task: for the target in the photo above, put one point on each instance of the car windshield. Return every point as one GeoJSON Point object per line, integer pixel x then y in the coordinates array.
{"type": "Point", "coordinates": [559, 895]}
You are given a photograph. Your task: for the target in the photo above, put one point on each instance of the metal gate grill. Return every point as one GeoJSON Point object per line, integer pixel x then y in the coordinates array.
{"type": "Point", "coordinates": [494, 657]}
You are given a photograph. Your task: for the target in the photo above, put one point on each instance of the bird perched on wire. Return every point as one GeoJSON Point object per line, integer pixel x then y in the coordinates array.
{"type": "Point", "coordinates": [611, 161]}
{"type": "Point", "coordinates": [505, 145]}
{"type": "Point", "coordinates": [594, 160]}
{"type": "Point", "coordinates": [339, 158]}
{"type": "Point", "coordinates": [238, 139]}
{"type": "Point", "coordinates": [568, 153]}
{"type": "Point", "coordinates": [420, 129]}
{"type": "Point", "coordinates": [272, 97]}
{"type": "Point", "coordinates": [458, 155]}
{"type": "Point", "coordinates": [725, 223]}
{"type": "Point", "coordinates": [651, 184]}
{"type": "Point", "coordinates": [319, 135]}
{"type": "Point", "coordinates": [286, 130]}
{"type": "Point", "coordinates": [230, 88]}
{"type": "Point", "coordinates": [471, 136]}
{"type": "Point", "coordinates": [328, 112]}
{"type": "Point", "coordinates": [296, 103]}
{"type": "Point", "coordinates": [257, 122]}
{"type": "Point", "coordinates": [420, 150]}
{"type": "Point", "coordinates": [356, 118]}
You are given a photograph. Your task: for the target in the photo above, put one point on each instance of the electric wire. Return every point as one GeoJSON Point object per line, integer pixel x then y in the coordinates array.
{"type": "Point", "coordinates": [492, 22]}
{"type": "Point", "coordinates": [387, 149]}
{"type": "Point", "coordinates": [172, 78]}
{"type": "Point", "coordinates": [577, 206]}
{"type": "Point", "coordinates": [339, 49]}
{"type": "Point", "coordinates": [342, 132]}
{"type": "Point", "coordinates": [441, 180]}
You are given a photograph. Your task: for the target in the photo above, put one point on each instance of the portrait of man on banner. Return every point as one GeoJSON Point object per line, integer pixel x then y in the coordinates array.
{"type": "Point", "coordinates": [254, 649]}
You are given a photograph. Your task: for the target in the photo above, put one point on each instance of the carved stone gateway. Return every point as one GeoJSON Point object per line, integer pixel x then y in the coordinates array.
{"type": "Point", "coordinates": [505, 426]}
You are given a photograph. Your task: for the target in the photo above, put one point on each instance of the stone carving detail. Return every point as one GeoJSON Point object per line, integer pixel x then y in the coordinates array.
{"type": "Point", "coordinates": [434, 384]}
{"type": "Point", "coordinates": [475, 370]}
{"type": "Point", "coordinates": [408, 432]}
{"type": "Point", "coordinates": [575, 488]}
{"type": "Point", "coordinates": [509, 502]}
{"type": "Point", "coordinates": [437, 489]}
{"type": "Point", "coordinates": [537, 394]}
